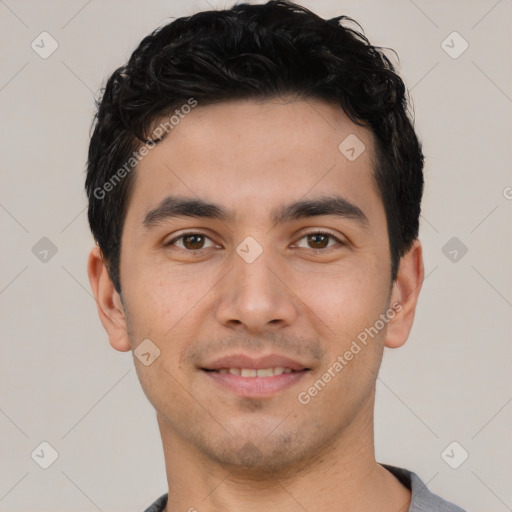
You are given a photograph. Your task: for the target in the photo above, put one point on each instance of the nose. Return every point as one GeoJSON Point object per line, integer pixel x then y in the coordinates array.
{"type": "Point", "coordinates": [256, 296]}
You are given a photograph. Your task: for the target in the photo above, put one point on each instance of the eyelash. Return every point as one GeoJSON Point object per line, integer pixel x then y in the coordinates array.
{"type": "Point", "coordinates": [331, 234]}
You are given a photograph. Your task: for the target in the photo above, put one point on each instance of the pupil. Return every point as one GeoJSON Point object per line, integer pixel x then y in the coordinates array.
{"type": "Point", "coordinates": [318, 240]}
{"type": "Point", "coordinates": [192, 240]}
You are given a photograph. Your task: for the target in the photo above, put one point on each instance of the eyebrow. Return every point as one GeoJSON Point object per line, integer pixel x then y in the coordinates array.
{"type": "Point", "coordinates": [176, 206]}
{"type": "Point", "coordinates": [331, 205]}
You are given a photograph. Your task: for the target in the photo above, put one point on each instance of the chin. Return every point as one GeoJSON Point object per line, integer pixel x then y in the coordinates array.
{"type": "Point", "coordinates": [257, 453]}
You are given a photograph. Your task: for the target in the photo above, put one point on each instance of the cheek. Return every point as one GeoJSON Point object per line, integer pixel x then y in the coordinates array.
{"type": "Point", "coordinates": [169, 308]}
{"type": "Point", "coordinates": [348, 309]}
{"type": "Point", "coordinates": [161, 297]}
{"type": "Point", "coordinates": [346, 299]}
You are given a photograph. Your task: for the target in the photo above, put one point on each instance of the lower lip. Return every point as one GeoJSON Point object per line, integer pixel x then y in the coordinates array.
{"type": "Point", "coordinates": [255, 387]}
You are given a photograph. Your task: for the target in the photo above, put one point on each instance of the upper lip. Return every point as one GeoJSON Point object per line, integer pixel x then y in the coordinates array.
{"type": "Point", "coordinates": [256, 363]}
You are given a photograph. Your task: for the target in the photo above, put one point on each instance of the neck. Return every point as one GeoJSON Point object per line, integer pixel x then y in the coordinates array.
{"type": "Point", "coordinates": [344, 475]}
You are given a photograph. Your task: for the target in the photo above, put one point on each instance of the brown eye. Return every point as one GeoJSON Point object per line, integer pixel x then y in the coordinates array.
{"type": "Point", "coordinates": [191, 242]}
{"type": "Point", "coordinates": [318, 241]}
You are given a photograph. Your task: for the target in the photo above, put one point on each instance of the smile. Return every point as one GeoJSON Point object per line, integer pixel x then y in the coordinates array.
{"type": "Point", "coordinates": [251, 372]}
{"type": "Point", "coordinates": [255, 383]}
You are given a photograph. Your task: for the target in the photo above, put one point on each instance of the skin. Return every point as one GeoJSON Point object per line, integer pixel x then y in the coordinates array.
{"type": "Point", "coordinates": [223, 451]}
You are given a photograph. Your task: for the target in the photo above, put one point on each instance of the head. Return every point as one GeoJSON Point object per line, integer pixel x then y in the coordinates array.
{"type": "Point", "coordinates": [254, 185]}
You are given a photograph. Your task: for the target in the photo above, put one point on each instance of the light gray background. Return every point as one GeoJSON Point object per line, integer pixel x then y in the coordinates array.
{"type": "Point", "coordinates": [61, 382]}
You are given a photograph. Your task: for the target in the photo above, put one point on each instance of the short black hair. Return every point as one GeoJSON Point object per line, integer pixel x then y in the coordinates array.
{"type": "Point", "coordinates": [278, 49]}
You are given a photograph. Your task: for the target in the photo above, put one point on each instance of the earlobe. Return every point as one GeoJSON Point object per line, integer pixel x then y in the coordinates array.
{"type": "Point", "coordinates": [406, 290]}
{"type": "Point", "coordinates": [110, 307]}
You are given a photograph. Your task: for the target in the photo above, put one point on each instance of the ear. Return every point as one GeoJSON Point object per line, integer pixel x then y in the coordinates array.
{"type": "Point", "coordinates": [405, 292]}
{"type": "Point", "coordinates": [110, 307]}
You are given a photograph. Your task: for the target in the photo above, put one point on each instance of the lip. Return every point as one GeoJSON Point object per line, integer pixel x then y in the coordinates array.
{"type": "Point", "coordinates": [255, 387]}
{"type": "Point", "coordinates": [255, 363]}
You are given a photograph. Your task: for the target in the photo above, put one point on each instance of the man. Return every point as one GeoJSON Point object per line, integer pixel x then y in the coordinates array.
{"type": "Point", "coordinates": [254, 188]}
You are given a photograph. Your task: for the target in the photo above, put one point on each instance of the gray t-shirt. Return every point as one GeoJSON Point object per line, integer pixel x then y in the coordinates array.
{"type": "Point", "coordinates": [422, 499]}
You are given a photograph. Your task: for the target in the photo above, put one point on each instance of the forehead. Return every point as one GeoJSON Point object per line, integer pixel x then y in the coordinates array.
{"type": "Point", "coordinates": [252, 156]}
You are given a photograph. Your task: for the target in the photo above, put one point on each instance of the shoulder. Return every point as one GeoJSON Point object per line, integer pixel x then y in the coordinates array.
{"type": "Point", "coordinates": [422, 500]}
{"type": "Point", "coordinates": [158, 505]}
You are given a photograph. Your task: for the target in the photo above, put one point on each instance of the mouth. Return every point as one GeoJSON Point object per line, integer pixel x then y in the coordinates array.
{"type": "Point", "coordinates": [253, 372]}
{"type": "Point", "coordinates": [255, 378]}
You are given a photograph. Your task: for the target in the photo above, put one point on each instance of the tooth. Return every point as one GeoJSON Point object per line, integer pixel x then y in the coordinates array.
{"type": "Point", "coordinates": [264, 372]}
{"type": "Point", "coordinates": [260, 372]}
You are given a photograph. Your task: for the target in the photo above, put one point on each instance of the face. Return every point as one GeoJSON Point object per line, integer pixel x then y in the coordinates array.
{"type": "Point", "coordinates": [282, 261]}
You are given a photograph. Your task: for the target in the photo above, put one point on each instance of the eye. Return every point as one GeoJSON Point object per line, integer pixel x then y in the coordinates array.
{"type": "Point", "coordinates": [319, 240]}
{"type": "Point", "coordinates": [191, 242]}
